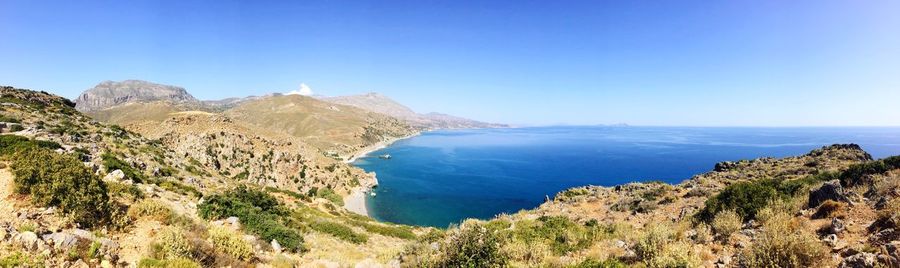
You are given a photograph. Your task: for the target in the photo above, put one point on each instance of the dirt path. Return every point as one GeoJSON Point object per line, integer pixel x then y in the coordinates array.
{"type": "Point", "coordinates": [7, 206]}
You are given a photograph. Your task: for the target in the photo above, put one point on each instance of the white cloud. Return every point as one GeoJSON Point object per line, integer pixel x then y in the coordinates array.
{"type": "Point", "coordinates": [304, 90]}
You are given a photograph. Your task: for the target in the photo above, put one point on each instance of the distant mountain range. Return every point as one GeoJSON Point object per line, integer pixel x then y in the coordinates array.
{"type": "Point", "coordinates": [382, 104]}
{"type": "Point", "coordinates": [128, 93]}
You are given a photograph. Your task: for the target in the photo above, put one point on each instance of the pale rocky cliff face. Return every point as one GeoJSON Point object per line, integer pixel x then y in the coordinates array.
{"type": "Point", "coordinates": [111, 93]}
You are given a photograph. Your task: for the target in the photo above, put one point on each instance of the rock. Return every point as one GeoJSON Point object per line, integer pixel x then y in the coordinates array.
{"type": "Point", "coordinates": [27, 240]}
{"type": "Point", "coordinates": [80, 264]}
{"type": "Point", "coordinates": [108, 245]}
{"type": "Point", "coordinates": [837, 226]}
{"type": "Point", "coordinates": [63, 241]}
{"type": "Point", "coordinates": [106, 264]}
{"type": "Point", "coordinates": [725, 260]}
{"type": "Point", "coordinates": [831, 190]}
{"type": "Point", "coordinates": [860, 260]}
{"type": "Point", "coordinates": [276, 247]}
{"type": "Point", "coordinates": [724, 166]}
{"type": "Point", "coordinates": [831, 240]}
{"type": "Point", "coordinates": [82, 234]}
{"type": "Point", "coordinates": [115, 175]}
{"type": "Point", "coordinates": [233, 222]}
{"type": "Point", "coordinates": [620, 244]}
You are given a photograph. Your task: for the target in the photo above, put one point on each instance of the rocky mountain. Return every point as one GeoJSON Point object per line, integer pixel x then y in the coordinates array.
{"type": "Point", "coordinates": [382, 104]}
{"type": "Point", "coordinates": [110, 93]}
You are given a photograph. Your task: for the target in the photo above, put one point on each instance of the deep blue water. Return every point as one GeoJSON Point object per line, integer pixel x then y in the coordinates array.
{"type": "Point", "coordinates": [442, 177]}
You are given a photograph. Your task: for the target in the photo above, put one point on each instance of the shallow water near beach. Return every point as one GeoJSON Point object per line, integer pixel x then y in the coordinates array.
{"type": "Point", "coordinates": [442, 177]}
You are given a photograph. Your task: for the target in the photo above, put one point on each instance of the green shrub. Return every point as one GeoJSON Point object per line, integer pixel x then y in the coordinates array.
{"type": "Point", "coordinates": [338, 230]}
{"type": "Point", "coordinates": [386, 230]}
{"type": "Point", "coordinates": [175, 263]}
{"type": "Point", "coordinates": [10, 144]}
{"type": "Point", "coordinates": [230, 242]}
{"type": "Point", "coordinates": [856, 173]}
{"type": "Point", "coordinates": [593, 263]}
{"type": "Point", "coordinates": [9, 119]}
{"type": "Point", "coordinates": [745, 198]}
{"type": "Point", "coordinates": [179, 187]}
{"type": "Point", "coordinates": [330, 195]}
{"type": "Point", "coordinates": [260, 213]}
{"type": "Point", "coordinates": [472, 245]}
{"type": "Point", "coordinates": [62, 181]}
{"type": "Point", "coordinates": [561, 233]}
{"type": "Point", "coordinates": [111, 162]}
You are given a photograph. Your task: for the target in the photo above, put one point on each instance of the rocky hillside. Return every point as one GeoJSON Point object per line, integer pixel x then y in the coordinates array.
{"type": "Point", "coordinates": [334, 128]}
{"type": "Point", "coordinates": [384, 105]}
{"type": "Point", "coordinates": [110, 93]}
{"type": "Point", "coordinates": [199, 191]}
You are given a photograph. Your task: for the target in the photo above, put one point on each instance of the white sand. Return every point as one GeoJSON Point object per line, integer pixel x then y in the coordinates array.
{"type": "Point", "coordinates": [356, 201]}
{"type": "Point", "coordinates": [375, 147]}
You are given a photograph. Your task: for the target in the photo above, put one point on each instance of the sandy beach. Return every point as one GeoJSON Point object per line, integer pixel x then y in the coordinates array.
{"type": "Point", "coordinates": [356, 200]}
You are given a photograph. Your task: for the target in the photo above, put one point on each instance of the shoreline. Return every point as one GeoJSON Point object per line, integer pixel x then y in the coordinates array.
{"type": "Point", "coordinates": [356, 200]}
{"type": "Point", "coordinates": [375, 147]}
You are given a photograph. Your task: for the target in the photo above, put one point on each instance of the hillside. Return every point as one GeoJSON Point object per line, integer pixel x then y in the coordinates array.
{"type": "Point", "coordinates": [384, 105]}
{"type": "Point", "coordinates": [330, 127]}
{"type": "Point", "coordinates": [80, 193]}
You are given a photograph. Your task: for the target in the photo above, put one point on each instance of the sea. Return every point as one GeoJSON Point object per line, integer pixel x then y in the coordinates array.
{"type": "Point", "coordinates": [442, 177]}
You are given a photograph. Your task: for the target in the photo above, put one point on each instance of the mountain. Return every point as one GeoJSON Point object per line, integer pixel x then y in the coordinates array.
{"type": "Point", "coordinates": [331, 127]}
{"type": "Point", "coordinates": [382, 104]}
{"type": "Point", "coordinates": [207, 189]}
{"type": "Point", "coordinates": [110, 93]}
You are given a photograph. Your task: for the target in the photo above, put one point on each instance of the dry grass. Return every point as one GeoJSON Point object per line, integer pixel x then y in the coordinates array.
{"type": "Point", "coordinates": [831, 209]}
{"type": "Point", "coordinates": [726, 223]}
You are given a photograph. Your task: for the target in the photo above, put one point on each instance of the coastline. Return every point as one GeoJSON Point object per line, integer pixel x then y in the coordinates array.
{"type": "Point", "coordinates": [377, 146]}
{"type": "Point", "coordinates": [356, 200]}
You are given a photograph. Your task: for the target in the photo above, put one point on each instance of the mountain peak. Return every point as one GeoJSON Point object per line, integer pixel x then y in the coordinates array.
{"type": "Point", "coordinates": [112, 93]}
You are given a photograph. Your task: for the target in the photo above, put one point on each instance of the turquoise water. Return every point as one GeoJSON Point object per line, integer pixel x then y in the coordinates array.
{"type": "Point", "coordinates": [442, 177]}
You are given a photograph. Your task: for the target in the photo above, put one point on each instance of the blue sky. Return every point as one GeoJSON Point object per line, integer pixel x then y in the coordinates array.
{"type": "Point", "coordinates": [693, 63]}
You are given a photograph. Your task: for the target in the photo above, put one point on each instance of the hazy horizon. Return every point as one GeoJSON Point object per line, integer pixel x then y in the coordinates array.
{"type": "Point", "coordinates": [736, 63]}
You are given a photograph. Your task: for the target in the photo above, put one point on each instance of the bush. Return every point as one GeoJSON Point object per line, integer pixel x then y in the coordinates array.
{"type": "Point", "coordinates": [111, 162]}
{"type": "Point", "coordinates": [855, 174]}
{"type": "Point", "coordinates": [339, 230]}
{"type": "Point", "coordinates": [230, 242]}
{"type": "Point", "coordinates": [472, 245]}
{"type": "Point", "coordinates": [831, 209]}
{"type": "Point", "coordinates": [10, 144]}
{"type": "Point", "coordinates": [173, 244]}
{"type": "Point", "coordinates": [726, 223]}
{"type": "Point", "coordinates": [330, 195]}
{"type": "Point", "coordinates": [783, 244]}
{"type": "Point", "coordinates": [658, 247]}
{"type": "Point", "coordinates": [61, 181]}
{"type": "Point", "coordinates": [394, 231]}
{"type": "Point", "coordinates": [175, 263]}
{"type": "Point", "coordinates": [260, 213]}
{"type": "Point", "coordinates": [150, 209]}
{"type": "Point", "coordinates": [561, 233]}
{"type": "Point", "coordinates": [745, 198]}
{"type": "Point", "coordinates": [593, 263]}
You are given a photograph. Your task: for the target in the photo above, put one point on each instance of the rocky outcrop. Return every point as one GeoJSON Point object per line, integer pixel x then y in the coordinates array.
{"type": "Point", "coordinates": [831, 190]}
{"type": "Point", "coordinates": [111, 93]}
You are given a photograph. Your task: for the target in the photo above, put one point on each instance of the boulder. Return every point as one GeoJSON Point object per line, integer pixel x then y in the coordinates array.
{"type": "Point", "coordinates": [115, 175]}
{"type": "Point", "coordinates": [27, 240]}
{"type": "Point", "coordinates": [60, 240]}
{"type": "Point", "coordinates": [859, 260]}
{"type": "Point", "coordinates": [276, 247]}
{"type": "Point", "coordinates": [837, 226]}
{"type": "Point", "coordinates": [831, 190]}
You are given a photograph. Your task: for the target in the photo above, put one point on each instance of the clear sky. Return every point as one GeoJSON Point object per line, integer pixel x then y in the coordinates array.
{"type": "Point", "coordinates": [696, 63]}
